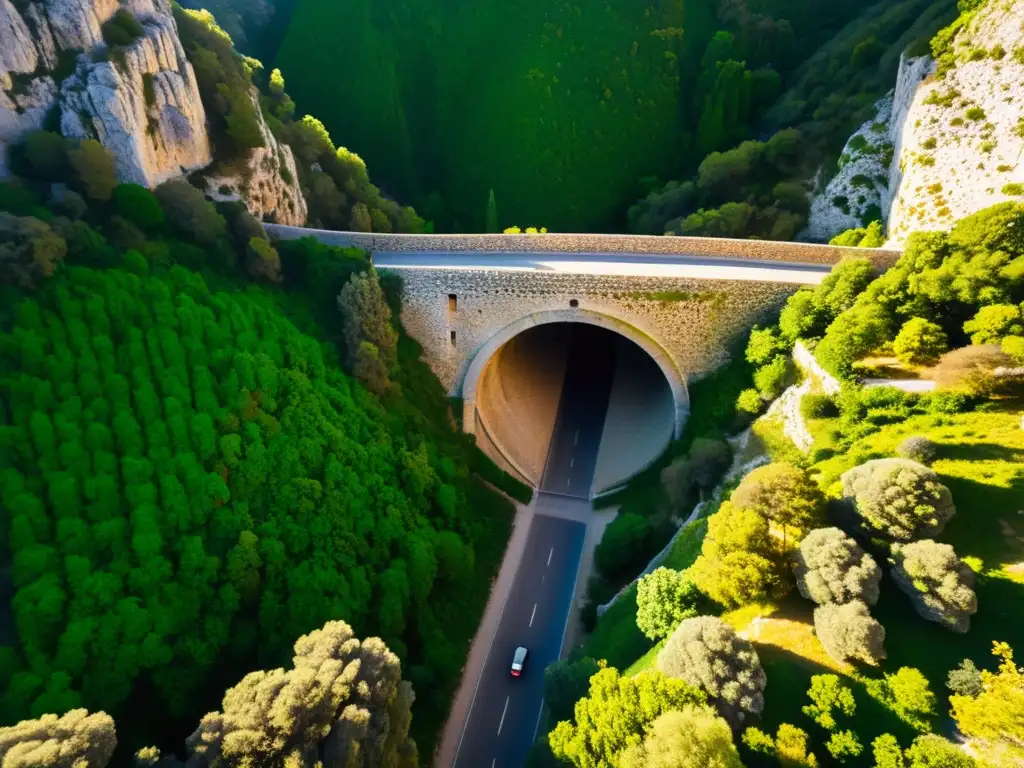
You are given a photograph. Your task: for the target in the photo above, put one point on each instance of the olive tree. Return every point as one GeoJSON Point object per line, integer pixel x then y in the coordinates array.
{"type": "Point", "coordinates": [898, 499]}
{"type": "Point", "coordinates": [832, 568]}
{"type": "Point", "coordinates": [343, 700]}
{"type": "Point", "coordinates": [370, 339]}
{"type": "Point", "coordinates": [693, 737]}
{"type": "Point", "coordinates": [785, 496]}
{"type": "Point", "coordinates": [849, 632]}
{"type": "Point", "coordinates": [664, 598]}
{"type": "Point", "coordinates": [937, 581]}
{"type": "Point", "coordinates": [707, 652]}
{"type": "Point", "coordinates": [73, 740]}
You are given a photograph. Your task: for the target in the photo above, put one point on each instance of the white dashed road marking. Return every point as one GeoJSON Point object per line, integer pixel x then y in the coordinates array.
{"type": "Point", "coordinates": [533, 613]}
{"type": "Point", "coordinates": [503, 715]}
{"type": "Point", "coordinates": [550, 554]}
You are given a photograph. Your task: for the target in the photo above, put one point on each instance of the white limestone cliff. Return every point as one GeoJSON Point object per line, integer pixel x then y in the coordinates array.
{"type": "Point", "coordinates": [941, 147]}
{"type": "Point", "coordinates": [145, 108]}
{"type": "Point", "coordinates": [963, 137]}
{"type": "Point", "coordinates": [268, 182]}
{"type": "Point", "coordinates": [142, 102]}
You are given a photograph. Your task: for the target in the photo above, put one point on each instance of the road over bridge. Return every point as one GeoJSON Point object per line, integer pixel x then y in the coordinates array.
{"type": "Point", "coordinates": [494, 315]}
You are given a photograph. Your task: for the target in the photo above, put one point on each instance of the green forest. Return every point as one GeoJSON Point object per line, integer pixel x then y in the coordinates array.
{"type": "Point", "coordinates": [203, 458]}
{"type": "Point", "coordinates": [571, 112]}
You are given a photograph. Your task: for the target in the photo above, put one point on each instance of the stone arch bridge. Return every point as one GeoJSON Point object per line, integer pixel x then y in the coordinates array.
{"type": "Point", "coordinates": [494, 314]}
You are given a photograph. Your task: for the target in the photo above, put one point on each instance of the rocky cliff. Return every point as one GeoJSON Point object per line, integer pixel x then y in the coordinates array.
{"type": "Point", "coordinates": [139, 99]}
{"type": "Point", "coordinates": [268, 181]}
{"type": "Point", "coordinates": [945, 143]}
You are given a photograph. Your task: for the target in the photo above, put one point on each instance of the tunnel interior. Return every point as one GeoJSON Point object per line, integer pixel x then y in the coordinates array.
{"type": "Point", "coordinates": [573, 408]}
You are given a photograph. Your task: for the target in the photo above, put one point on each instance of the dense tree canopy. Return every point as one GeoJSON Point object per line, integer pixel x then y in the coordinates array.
{"type": "Point", "coordinates": [996, 714]}
{"type": "Point", "coordinates": [73, 740]}
{"type": "Point", "coordinates": [664, 598]}
{"type": "Point", "coordinates": [848, 631]}
{"type": "Point", "coordinates": [693, 737]}
{"type": "Point", "coordinates": [937, 581]}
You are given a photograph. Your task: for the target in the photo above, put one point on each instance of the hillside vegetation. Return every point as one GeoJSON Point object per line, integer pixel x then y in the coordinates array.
{"type": "Point", "coordinates": [560, 108]}
{"type": "Point", "coordinates": [191, 476]}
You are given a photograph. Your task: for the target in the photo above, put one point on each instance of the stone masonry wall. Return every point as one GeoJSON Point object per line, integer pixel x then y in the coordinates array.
{"type": "Point", "coordinates": [693, 321]}
{"type": "Point", "coordinates": [712, 247]}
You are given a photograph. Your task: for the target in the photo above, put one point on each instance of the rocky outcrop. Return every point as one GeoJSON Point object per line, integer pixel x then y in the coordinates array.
{"type": "Point", "coordinates": [141, 101]}
{"type": "Point", "coordinates": [268, 182]}
{"type": "Point", "coordinates": [941, 146]}
{"type": "Point", "coordinates": [144, 107]}
{"type": "Point", "coordinates": [963, 136]}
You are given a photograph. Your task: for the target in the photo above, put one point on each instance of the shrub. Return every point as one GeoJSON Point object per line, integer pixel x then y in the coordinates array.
{"type": "Point", "coordinates": [565, 682]}
{"type": "Point", "coordinates": [898, 499]}
{"type": "Point", "coordinates": [191, 213]}
{"type": "Point", "coordinates": [664, 598]}
{"type": "Point", "coordinates": [263, 261]}
{"type": "Point", "coordinates": [852, 335]}
{"type": "Point", "coordinates": [800, 318]}
{"type": "Point", "coordinates": [1014, 190]}
{"type": "Point", "coordinates": [993, 717]}
{"type": "Point", "coordinates": [975, 114]}
{"type": "Point", "coordinates": [971, 370]}
{"type": "Point", "coordinates": [624, 542]}
{"type": "Point", "coordinates": [917, 448]}
{"type": "Point", "coordinates": [908, 694]}
{"type": "Point", "coordinates": [831, 568]}
{"type": "Point", "coordinates": [920, 342]}
{"type": "Point", "coordinates": [750, 402]}
{"type": "Point", "coordinates": [785, 496]}
{"type": "Point", "coordinates": [708, 459]}
{"type": "Point", "coordinates": [1013, 347]}
{"type": "Point", "coordinates": [965, 680]}
{"type": "Point", "coordinates": [122, 29]}
{"type": "Point", "coordinates": [887, 752]}
{"type": "Point", "coordinates": [931, 751]}
{"type": "Point", "coordinates": [817, 405]}
{"type": "Point", "coordinates": [707, 653]}
{"type": "Point", "coordinates": [828, 695]}
{"type": "Point", "coordinates": [772, 379]}
{"type": "Point", "coordinates": [844, 745]}
{"type": "Point", "coordinates": [29, 250]}
{"type": "Point", "coordinates": [693, 737]}
{"type": "Point", "coordinates": [849, 632]}
{"type": "Point", "coordinates": [937, 581]}
{"type": "Point", "coordinates": [94, 169]}
{"type": "Point", "coordinates": [993, 322]}
{"type": "Point", "coordinates": [765, 345]}
{"type": "Point", "coordinates": [947, 402]}
{"type": "Point", "coordinates": [138, 205]}
{"type": "Point", "coordinates": [76, 738]}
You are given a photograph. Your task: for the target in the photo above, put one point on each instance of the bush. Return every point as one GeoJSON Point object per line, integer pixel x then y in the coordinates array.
{"type": "Point", "coordinates": [750, 402]}
{"type": "Point", "coordinates": [831, 568]}
{"type": "Point", "coordinates": [708, 460]}
{"type": "Point", "coordinates": [965, 680]}
{"type": "Point", "coordinates": [920, 342]}
{"type": "Point", "coordinates": [993, 322]}
{"type": "Point", "coordinates": [844, 745]}
{"type": "Point", "coordinates": [707, 653]}
{"type": "Point", "coordinates": [828, 695]}
{"type": "Point", "coordinates": [139, 206]}
{"type": "Point", "coordinates": [938, 583]}
{"type": "Point", "coordinates": [693, 737]}
{"type": "Point", "coordinates": [918, 448]}
{"type": "Point", "coordinates": [801, 318]}
{"type": "Point", "coordinates": [898, 499]}
{"type": "Point", "coordinates": [371, 342]}
{"type": "Point", "coordinates": [664, 598]}
{"type": "Point", "coordinates": [772, 379]}
{"type": "Point", "coordinates": [947, 402]}
{"type": "Point", "coordinates": [971, 370]}
{"type": "Point", "coordinates": [931, 751]}
{"type": "Point", "coordinates": [623, 544]}
{"type": "Point", "coordinates": [122, 29]}
{"type": "Point", "coordinates": [909, 695]}
{"type": "Point", "coordinates": [191, 213]}
{"type": "Point", "coordinates": [765, 345]}
{"type": "Point", "coordinates": [852, 335]}
{"type": "Point", "coordinates": [263, 261]}
{"type": "Point", "coordinates": [1013, 347]}
{"type": "Point", "coordinates": [565, 682]}
{"type": "Point", "coordinates": [95, 173]}
{"type": "Point", "coordinates": [848, 632]}
{"type": "Point", "coordinates": [817, 405]}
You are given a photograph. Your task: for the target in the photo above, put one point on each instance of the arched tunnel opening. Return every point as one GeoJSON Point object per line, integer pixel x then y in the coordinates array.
{"type": "Point", "coordinates": [573, 408]}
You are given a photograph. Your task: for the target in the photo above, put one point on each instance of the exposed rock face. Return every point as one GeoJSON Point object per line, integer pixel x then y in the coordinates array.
{"type": "Point", "coordinates": [269, 182]}
{"type": "Point", "coordinates": [141, 102]}
{"type": "Point", "coordinates": [146, 110]}
{"type": "Point", "coordinates": [941, 147]}
{"type": "Point", "coordinates": [962, 139]}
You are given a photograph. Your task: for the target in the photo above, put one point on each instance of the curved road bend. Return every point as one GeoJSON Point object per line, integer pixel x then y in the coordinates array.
{"type": "Point", "coordinates": [505, 711]}
{"type": "Point", "coordinates": [647, 265]}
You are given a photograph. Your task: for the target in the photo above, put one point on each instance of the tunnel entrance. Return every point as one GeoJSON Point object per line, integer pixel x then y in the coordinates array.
{"type": "Point", "coordinates": [573, 408]}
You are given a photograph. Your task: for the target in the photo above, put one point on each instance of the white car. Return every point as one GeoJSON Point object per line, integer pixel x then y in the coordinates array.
{"type": "Point", "coordinates": [519, 661]}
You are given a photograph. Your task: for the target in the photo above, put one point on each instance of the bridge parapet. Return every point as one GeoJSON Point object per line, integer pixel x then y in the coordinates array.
{"type": "Point", "coordinates": [705, 247]}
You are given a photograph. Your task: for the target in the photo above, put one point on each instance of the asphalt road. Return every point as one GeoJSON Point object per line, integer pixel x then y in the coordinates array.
{"type": "Point", "coordinates": [572, 457]}
{"type": "Point", "coordinates": [506, 711]}
{"type": "Point", "coordinates": [648, 265]}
